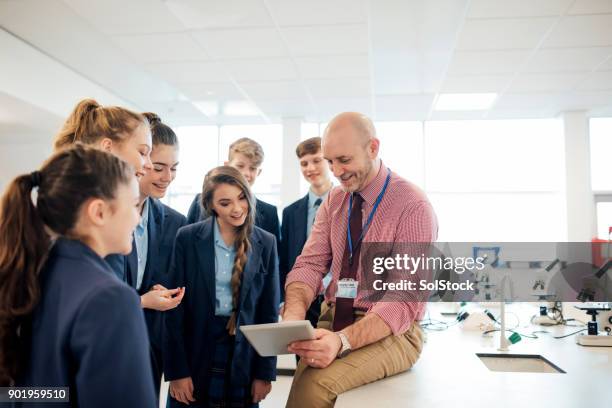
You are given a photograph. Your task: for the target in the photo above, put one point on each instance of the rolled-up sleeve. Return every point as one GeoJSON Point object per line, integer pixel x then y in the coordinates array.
{"type": "Point", "coordinates": [418, 224]}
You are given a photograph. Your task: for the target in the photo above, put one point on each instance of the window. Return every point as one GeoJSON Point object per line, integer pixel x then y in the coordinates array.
{"type": "Point", "coordinates": [601, 181]}
{"type": "Point", "coordinates": [199, 146]}
{"type": "Point", "coordinates": [498, 217]}
{"type": "Point", "coordinates": [205, 147]}
{"type": "Point", "coordinates": [267, 185]}
{"type": "Point", "coordinates": [401, 149]}
{"type": "Point", "coordinates": [505, 155]}
{"type": "Point", "coordinates": [311, 129]}
{"type": "Point", "coordinates": [601, 148]}
{"type": "Point", "coordinates": [496, 180]}
{"type": "Point", "coordinates": [487, 180]}
{"type": "Point", "coordinates": [604, 216]}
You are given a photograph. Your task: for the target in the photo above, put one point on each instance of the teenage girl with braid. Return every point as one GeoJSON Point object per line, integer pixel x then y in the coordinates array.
{"type": "Point", "coordinates": [65, 319]}
{"type": "Point", "coordinates": [230, 270]}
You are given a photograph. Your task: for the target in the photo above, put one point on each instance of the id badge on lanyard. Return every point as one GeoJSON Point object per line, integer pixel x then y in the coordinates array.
{"type": "Point", "coordinates": [347, 288]}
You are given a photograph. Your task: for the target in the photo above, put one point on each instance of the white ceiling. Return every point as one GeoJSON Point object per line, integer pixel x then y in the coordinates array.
{"type": "Point", "coordinates": [315, 58]}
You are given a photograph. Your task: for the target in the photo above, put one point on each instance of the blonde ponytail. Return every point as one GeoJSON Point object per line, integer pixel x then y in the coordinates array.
{"type": "Point", "coordinates": [91, 122]}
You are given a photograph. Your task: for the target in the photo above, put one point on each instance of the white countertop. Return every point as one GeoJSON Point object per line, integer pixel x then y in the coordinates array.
{"type": "Point", "coordinates": [449, 373]}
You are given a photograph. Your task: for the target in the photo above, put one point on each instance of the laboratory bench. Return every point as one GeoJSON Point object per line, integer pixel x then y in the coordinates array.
{"type": "Point", "coordinates": [450, 373]}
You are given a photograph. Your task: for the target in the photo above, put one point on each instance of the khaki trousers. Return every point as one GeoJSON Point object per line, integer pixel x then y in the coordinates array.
{"type": "Point", "coordinates": [319, 387]}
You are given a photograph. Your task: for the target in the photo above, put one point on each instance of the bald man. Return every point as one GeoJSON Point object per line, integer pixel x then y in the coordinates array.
{"type": "Point", "coordinates": [357, 340]}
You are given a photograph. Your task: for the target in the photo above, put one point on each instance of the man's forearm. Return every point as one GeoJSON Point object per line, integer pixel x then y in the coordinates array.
{"type": "Point", "coordinates": [366, 331]}
{"type": "Point", "coordinates": [298, 298]}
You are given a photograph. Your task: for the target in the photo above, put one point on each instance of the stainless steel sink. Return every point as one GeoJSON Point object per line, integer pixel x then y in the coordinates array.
{"type": "Point", "coordinates": [519, 363]}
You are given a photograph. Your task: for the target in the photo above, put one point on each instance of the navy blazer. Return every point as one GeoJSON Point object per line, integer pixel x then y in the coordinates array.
{"type": "Point", "coordinates": [88, 333]}
{"type": "Point", "coordinates": [164, 223]}
{"type": "Point", "coordinates": [266, 215]}
{"type": "Point", "coordinates": [187, 339]}
{"type": "Point", "coordinates": [294, 235]}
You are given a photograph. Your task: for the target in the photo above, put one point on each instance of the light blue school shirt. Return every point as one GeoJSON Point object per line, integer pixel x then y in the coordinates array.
{"type": "Point", "coordinates": [224, 265]}
{"type": "Point", "coordinates": [312, 209]}
{"type": "Point", "coordinates": [141, 236]}
{"type": "Point", "coordinates": [312, 213]}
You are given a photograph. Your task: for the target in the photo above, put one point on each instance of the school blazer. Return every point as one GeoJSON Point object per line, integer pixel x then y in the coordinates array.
{"type": "Point", "coordinates": [88, 333]}
{"type": "Point", "coordinates": [187, 339]}
{"type": "Point", "coordinates": [266, 215]}
{"type": "Point", "coordinates": [293, 237]}
{"type": "Point", "coordinates": [164, 223]}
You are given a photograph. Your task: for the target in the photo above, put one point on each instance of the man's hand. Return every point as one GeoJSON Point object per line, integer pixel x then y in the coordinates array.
{"type": "Point", "coordinates": [321, 351]}
{"type": "Point", "coordinates": [162, 299]}
{"type": "Point", "coordinates": [260, 389]}
{"type": "Point", "coordinates": [182, 390]}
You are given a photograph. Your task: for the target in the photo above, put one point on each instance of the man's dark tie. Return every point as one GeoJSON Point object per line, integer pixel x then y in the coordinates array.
{"type": "Point", "coordinates": [316, 205]}
{"type": "Point", "coordinates": [343, 316]}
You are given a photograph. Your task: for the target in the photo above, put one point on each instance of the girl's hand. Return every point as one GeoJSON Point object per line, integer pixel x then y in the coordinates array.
{"type": "Point", "coordinates": [260, 389]}
{"type": "Point", "coordinates": [182, 390]}
{"type": "Point", "coordinates": [162, 299]}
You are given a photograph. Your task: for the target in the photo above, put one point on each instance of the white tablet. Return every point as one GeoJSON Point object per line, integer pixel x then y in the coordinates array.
{"type": "Point", "coordinates": [272, 339]}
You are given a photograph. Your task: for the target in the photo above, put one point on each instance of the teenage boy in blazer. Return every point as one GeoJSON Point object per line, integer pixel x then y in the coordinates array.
{"type": "Point", "coordinates": [247, 156]}
{"type": "Point", "coordinates": [299, 217]}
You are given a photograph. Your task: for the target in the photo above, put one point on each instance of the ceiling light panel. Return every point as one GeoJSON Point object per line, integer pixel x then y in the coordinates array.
{"type": "Point", "coordinates": [240, 108]}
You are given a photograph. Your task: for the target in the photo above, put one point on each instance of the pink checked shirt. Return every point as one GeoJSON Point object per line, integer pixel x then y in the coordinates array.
{"type": "Point", "coordinates": [404, 215]}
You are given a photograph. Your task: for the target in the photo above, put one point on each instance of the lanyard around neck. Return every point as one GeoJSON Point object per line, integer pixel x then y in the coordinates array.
{"type": "Point", "coordinates": [369, 220]}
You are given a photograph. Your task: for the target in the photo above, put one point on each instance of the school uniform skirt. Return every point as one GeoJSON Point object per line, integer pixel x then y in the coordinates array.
{"type": "Point", "coordinates": [220, 389]}
{"type": "Point", "coordinates": [223, 390]}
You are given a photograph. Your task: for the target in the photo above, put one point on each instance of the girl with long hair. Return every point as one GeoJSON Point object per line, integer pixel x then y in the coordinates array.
{"type": "Point", "coordinates": [114, 129]}
{"type": "Point", "coordinates": [230, 270]}
{"type": "Point", "coordinates": [155, 233]}
{"type": "Point", "coordinates": [65, 320]}
{"type": "Point", "coordinates": [127, 135]}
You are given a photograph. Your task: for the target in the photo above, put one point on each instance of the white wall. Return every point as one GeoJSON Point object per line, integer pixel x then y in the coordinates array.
{"type": "Point", "coordinates": [17, 158]}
